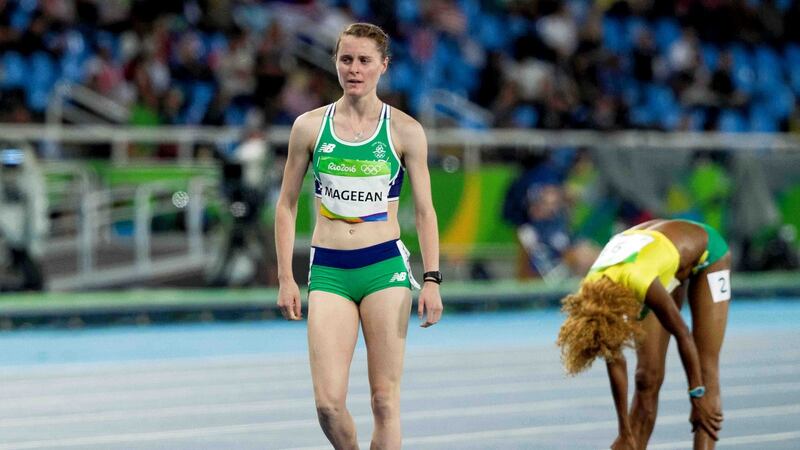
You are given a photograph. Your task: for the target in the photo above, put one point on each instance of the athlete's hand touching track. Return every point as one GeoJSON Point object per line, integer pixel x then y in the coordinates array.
{"type": "Point", "coordinates": [430, 304]}
{"type": "Point", "coordinates": [704, 417]}
{"type": "Point", "coordinates": [289, 301]}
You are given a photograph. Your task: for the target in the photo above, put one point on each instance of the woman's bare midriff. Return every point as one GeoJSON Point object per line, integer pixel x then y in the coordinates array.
{"type": "Point", "coordinates": [342, 235]}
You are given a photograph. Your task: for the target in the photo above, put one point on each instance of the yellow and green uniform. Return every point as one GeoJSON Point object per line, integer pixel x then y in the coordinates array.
{"type": "Point", "coordinates": [634, 258]}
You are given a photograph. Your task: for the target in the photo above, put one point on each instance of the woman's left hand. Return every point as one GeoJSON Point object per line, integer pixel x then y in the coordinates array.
{"type": "Point", "coordinates": [705, 418]}
{"type": "Point", "coordinates": [430, 304]}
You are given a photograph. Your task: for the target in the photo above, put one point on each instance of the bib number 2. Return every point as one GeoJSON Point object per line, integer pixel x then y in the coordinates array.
{"type": "Point", "coordinates": [720, 284]}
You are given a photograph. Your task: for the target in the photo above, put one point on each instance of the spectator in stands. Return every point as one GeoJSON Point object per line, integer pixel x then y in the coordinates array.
{"type": "Point", "coordinates": [442, 43]}
{"type": "Point", "coordinates": [536, 204]}
{"type": "Point", "coordinates": [235, 70]}
{"type": "Point", "coordinates": [24, 220]}
{"type": "Point", "coordinates": [271, 63]}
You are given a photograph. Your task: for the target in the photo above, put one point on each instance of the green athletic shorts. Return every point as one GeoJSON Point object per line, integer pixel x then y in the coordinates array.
{"type": "Point", "coordinates": [354, 274]}
{"type": "Point", "coordinates": [717, 247]}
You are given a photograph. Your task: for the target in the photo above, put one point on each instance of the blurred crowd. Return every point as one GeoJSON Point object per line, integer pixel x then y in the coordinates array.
{"type": "Point", "coordinates": [731, 65]}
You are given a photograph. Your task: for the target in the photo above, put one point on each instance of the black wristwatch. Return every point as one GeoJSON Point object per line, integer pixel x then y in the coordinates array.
{"type": "Point", "coordinates": [434, 276]}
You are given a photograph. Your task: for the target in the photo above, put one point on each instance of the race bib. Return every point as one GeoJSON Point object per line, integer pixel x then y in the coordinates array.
{"type": "Point", "coordinates": [620, 248]}
{"type": "Point", "coordinates": [720, 284]}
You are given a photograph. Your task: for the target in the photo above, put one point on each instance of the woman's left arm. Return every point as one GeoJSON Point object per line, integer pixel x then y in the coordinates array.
{"type": "Point", "coordinates": [415, 155]}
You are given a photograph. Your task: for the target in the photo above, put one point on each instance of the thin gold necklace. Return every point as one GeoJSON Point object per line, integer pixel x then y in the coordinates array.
{"type": "Point", "coordinates": [357, 135]}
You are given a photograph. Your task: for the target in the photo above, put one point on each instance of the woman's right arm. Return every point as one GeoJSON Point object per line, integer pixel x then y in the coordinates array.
{"type": "Point", "coordinates": [618, 376]}
{"type": "Point", "coordinates": [299, 155]}
{"type": "Point", "coordinates": [664, 307]}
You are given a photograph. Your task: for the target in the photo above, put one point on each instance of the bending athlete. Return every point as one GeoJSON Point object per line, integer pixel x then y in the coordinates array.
{"type": "Point", "coordinates": [359, 149]}
{"type": "Point", "coordinates": [652, 267]}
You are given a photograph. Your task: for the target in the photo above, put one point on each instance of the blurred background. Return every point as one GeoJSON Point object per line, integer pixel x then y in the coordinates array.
{"type": "Point", "coordinates": [142, 142]}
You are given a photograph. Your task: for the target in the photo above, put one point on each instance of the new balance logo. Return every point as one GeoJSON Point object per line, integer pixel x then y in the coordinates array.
{"type": "Point", "coordinates": [398, 276]}
{"type": "Point", "coordinates": [327, 148]}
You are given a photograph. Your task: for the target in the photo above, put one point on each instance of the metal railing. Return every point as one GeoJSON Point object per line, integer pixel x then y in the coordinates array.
{"type": "Point", "coordinates": [101, 209]}
{"type": "Point", "coordinates": [91, 216]}
{"type": "Point", "coordinates": [80, 105]}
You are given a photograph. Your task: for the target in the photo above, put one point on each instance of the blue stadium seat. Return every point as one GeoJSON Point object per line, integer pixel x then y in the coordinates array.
{"type": "Point", "coordinates": [762, 120]}
{"type": "Point", "coordinates": [666, 31]}
{"type": "Point", "coordinates": [710, 54]}
{"type": "Point", "coordinates": [632, 92]}
{"type": "Point", "coordinates": [792, 54]}
{"type": "Point", "coordinates": [472, 12]}
{"type": "Point", "coordinates": [792, 61]}
{"type": "Point", "coordinates": [633, 26]}
{"type": "Point", "coordinates": [731, 121]}
{"type": "Point", "coordinates": [407, 10]}
{"type": "Point", "coordinates": [780, 101]}
{"type": "Point", "coordinates": [402, 76]}
{"type": "Point", "coordinates": [360, 8]}
{"type": "Point", "coordinates": [20, 19]}
{"type": "Point", "coordinates": [698, 117]}
{"type": "Point", "coordinates": [525, 116]}
{"type": "Point", "coordinates": [43, 71]}
{"type": "Point", "coordinates": [768, 66]}
{"type": "Point", "coordinates": [15, 70]}
{"type": "Point", "coordinates": [744, 75]}
{"type": "Point", "coordinates": [492, 33]}
{"type": "Point", "coordinates": [516, 26]}
{"type": "Point", "coordinates": [235, 116]}
{"type": "Point", "coordinates": [614, 36]}
{"type": "Point", "coordinates": [37, 98]}
{"type": "Point", "coordinates": [199, 95]}
{"type": "Point", "coordinates": [641, 116]}
{"type": "Point", "coordinates": [72, 68]}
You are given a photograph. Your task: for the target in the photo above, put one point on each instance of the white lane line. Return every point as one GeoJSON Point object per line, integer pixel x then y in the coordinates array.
{"type": "Point", "coordinates": [494, 375]}
{"type": "Point", "coordinates": [16, 388]}
{"type": "Point", "coordinates": [476, 411]}
{"type": "Point", "coordinates": [426, 358]}
{"type": "Point", "coordinates": [157, 371]}
{"type": "Point", "coordinates": [478, 436]}
{"type": "Point", "coordinates": [422, 358]}
{"type": "Point", "coordinates": [735, 440]}
{"type": "Point", "coordinates": [306, 403]}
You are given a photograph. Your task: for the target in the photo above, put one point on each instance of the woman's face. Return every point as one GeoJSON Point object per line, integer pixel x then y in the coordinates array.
{"type": "Point", "coordinates": [359, 65]}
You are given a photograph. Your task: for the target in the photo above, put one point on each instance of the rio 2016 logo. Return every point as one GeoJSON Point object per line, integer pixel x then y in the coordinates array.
{"type": "Point", "coordinates": [341, 168]}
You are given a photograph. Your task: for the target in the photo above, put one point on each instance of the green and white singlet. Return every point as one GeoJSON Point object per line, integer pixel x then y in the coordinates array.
{"type": "Point", "coordinates": [355, 181]}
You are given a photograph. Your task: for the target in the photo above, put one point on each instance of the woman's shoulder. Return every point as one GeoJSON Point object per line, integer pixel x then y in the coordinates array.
{"type": "Point", "coordinates": [405, 126]}
{"type": "Point", "coordinates": [310, 119]}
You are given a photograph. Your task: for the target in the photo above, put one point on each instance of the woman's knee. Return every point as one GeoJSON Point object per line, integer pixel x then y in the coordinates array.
{"type": "Point", "coordinates": [329, 408]}
{"type": "Point", "coordinates": [385, 403]}
{"type": "Point", "coordinates": [648, 381]}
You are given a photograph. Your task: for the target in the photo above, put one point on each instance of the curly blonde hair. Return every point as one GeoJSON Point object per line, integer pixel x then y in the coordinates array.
{"type": "Point", "coordinates": [601, 321]}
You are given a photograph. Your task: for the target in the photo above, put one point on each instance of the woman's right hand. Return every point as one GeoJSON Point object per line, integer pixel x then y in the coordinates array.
{"type": "Point", "coordinates": [289, 301]}
{"type": "Point", "coordinates": [703, 417]}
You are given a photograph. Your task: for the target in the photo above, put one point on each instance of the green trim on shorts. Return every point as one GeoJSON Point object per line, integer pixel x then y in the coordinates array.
{"type": "Point", "coordinates": [355, 284]}
{"type": "Point", "coordinates": [717, 247]}
{"type": "Point", "coordinates": [644, 312]}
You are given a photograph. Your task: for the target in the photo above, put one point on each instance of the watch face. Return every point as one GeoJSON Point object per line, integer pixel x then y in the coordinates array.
{"type": "Point", "coordinates": [434, 276]}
